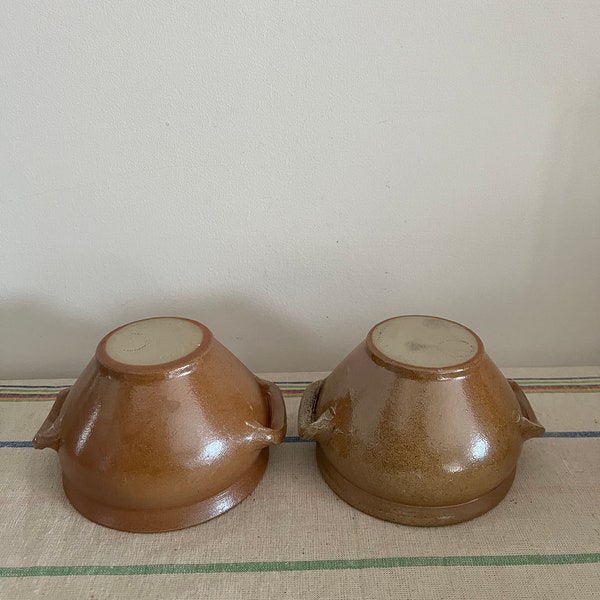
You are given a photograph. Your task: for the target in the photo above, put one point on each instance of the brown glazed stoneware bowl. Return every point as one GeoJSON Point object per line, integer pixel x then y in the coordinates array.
{"type": "Point", "coordinates": [417, 425]}
{"type": "Point", "coordinates": [164, 429]}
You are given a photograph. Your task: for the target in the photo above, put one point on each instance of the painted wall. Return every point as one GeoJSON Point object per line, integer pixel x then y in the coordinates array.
{"type": "Point", "coordinates": [291, 173]}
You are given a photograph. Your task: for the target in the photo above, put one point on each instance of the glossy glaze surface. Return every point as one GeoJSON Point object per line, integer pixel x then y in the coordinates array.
{"type": "Point", "coordinates": [413, 444]}
{"type": "Point", "coordinates": [159, 447]}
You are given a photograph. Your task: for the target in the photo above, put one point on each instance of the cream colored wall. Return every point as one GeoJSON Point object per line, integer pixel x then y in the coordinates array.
{"type": "Point", "coordinates": [291, 173]}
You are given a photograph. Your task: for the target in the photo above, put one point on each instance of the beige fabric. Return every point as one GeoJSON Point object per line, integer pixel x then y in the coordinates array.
{"type": "Point", "coordinates": [294, 538]}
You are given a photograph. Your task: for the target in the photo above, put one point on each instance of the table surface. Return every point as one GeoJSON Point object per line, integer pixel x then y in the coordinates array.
{"type": "Point", "coordinates": [294, 538]}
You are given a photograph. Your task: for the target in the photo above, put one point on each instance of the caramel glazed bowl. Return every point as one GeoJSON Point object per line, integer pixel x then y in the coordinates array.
{"type": "Point", "coordinates": [164, 429]}
{"type": "Point", "coordinates": [417, 425]}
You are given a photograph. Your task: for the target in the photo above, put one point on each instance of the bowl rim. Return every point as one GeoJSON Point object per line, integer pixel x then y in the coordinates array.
{"type": "Point", "coordinates": [180, 366]}
{"type": "Point", "coordinates": [427, 372]}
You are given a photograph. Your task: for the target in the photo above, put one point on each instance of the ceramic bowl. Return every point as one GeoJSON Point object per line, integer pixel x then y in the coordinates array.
{"type": "Point", "coordinates": [417, 425]}
{"type": "Point", "coordinates": [164, 429]}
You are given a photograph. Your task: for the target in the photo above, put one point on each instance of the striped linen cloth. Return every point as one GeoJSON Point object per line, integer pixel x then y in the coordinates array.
{"type": "Point", "coordinates": [293, 538]}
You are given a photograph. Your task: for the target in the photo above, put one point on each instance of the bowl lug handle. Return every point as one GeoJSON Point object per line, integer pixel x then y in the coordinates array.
{"type": "Point", "coordinates": [310, 428]}
{"type": "Point", "coordinates": [259, 435]}
{"type": "Point", "coordinates": [49, 434]}
{"type": "Point", "coordinates": [528, 422]}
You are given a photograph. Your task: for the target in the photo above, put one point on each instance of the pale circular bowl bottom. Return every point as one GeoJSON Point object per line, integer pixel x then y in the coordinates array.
{"type": "Point", "coordinates": [408, 514]}
{"type": "Point", "coordinates": [154, 341]}
{"type": "Point", "coordinates": [168, 519]}
{"type": "Point", "coordinates": [421, 341]}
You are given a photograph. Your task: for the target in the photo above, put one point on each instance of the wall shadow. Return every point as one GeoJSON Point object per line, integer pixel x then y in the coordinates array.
{"type": "Point", "coordinates": [563, 297]}
{"type": "Point", "coordinates": [46, 342]}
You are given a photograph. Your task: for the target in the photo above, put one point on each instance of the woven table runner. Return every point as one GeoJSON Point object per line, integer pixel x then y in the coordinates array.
{"type": "Point", "coordinates": [293, 538]}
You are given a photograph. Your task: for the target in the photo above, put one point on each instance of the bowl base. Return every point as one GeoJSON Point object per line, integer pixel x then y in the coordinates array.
{"type": "Point", "coordinates": [168, 519]}
{"type": "Point", "coordinates": [409, 514]}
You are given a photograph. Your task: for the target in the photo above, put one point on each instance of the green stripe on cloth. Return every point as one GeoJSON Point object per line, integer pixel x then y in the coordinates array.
{"type": "Point", "coordinates": [509, 560]}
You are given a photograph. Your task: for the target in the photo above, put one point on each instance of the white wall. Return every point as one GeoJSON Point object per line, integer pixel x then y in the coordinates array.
{"type": "Point", "coordinates": [291, 173]}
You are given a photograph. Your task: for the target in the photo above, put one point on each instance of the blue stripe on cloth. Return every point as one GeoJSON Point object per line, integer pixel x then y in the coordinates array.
{"type": "Point", "coordinates": [16, 445]}
{"type": "Point", "coordinates": [292, 439]}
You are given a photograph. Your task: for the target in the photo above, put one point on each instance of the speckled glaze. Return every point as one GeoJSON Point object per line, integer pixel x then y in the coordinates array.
{"type": "Point", "coordinates": [150, 448]}
{"type": "Point", "coordinates": [417, 445]}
